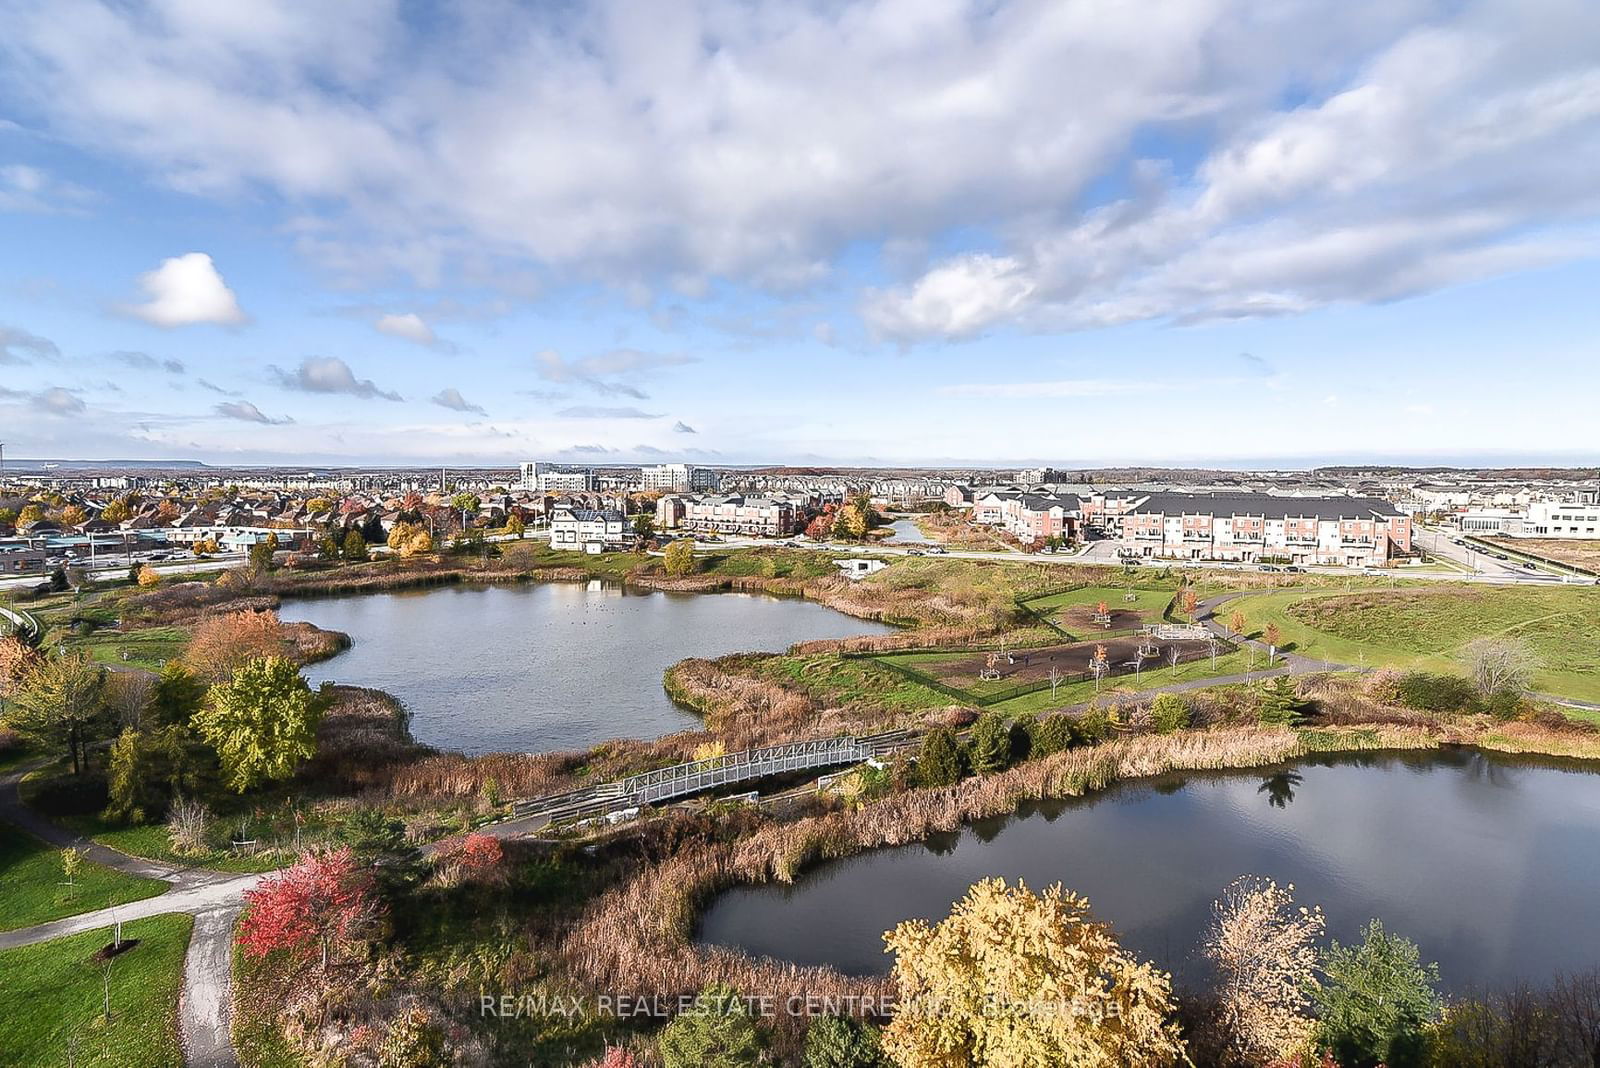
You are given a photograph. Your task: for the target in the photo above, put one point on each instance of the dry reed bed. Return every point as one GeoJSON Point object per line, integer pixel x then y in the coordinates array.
{"type": "Point", "coordinates": [637, 936]}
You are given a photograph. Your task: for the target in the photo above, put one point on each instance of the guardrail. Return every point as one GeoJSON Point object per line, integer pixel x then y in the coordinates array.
{"type": "Point", "coordinates": [680, 780]}
{"type": "Point", "coordinates": [23, 624]}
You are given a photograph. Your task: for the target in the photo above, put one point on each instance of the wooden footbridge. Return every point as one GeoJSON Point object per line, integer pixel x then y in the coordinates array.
{"type": "Point", "coordinates": [681, 780]}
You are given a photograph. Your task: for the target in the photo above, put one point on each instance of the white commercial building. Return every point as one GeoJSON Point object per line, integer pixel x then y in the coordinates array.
{"type": "Point", "coordinates": [587, 529]}
{"type": "Point", "coordinates": [540, 477]}
{"type": "Point", "coordinates": [678, 478]}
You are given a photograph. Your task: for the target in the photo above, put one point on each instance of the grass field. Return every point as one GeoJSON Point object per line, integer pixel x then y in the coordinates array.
{"type": "Point", "coordinates": [838, 680]}
{"type": "Point", "coordinates": [1427, 627]}
{"type": "Point", "coordinates": [147, 648]}
{"type": "Point", "coordinates": [1071, 610]}
{"type": "Point", "coordinates": [33, 888]}
{"type": "Point", "coordinates": [1579, 552]}
{"type": "Point", "coordinates": [1151, 678]}
{"type": "Point", "coordinates": [52, 990]}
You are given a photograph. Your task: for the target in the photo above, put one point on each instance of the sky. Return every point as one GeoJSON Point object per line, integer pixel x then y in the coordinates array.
{"type": "Point", "coordinates": [910, 232]}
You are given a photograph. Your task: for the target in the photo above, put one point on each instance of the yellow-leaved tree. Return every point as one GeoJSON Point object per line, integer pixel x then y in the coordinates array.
{"type": "Point", "coordinates": [1015, 979]}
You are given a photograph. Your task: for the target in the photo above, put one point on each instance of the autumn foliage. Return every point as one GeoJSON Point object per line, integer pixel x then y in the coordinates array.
{"type": "Point", "coordinates": [476, 858]}
{"type": "Point", "coordinates": [221, 645]}
{"type": "Point", "coordinates": [313, 909]}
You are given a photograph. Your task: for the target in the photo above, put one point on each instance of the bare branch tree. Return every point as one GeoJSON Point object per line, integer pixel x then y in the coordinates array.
{"type": "Point", "coordinates": [1264, 947]}
{"type": "Point", "coordinates": [1500, 665]}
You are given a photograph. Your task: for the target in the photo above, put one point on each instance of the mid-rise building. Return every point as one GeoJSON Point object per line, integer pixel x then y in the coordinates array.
{"type": "Point", "coordinates": [541, 477]}
{"type": "Point", "coordinates": [679, 478]}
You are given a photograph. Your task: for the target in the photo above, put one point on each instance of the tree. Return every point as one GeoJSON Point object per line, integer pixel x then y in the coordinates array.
{"type": "Point", "coordinates": [1264, 949]}
{"type": "Point", "coordinates": [939, 761]}
{"type": "Point", "coordinates": [717, 1033]}
{"type": "Point", "coordinates": [314, 908]}
{"type": "Point", "coordinates": [644, 527]}
{"type": "Point", "coordinates": [1017, 978]}
{"type": "Point", "coordinates": [679, 557]}
{"type": "Point", "coordinates": [1189, 602]}
{"type": "Point", "coordinates": [148, 577]}
{"type": "Point", "coordinates": [1168, 713]}
{"type": "Point", "coordinates": [1501, 668]}
{"type": "Point", "coordinates": [990, 747]}
{"type": "Point", "coordinates": [515, 526]}
{"type": "Point", "coordinates": [1050, 734]}
{"type": "Point", "coordinates": [261, 553]}
{"type": "Point", "coordinates": [262, 723]}
{"type": "Point", "coordinates": [1280, 703]}
{"type": "Point", "coordinates": [72, 516]}
{"type": "Point", "coordinates": [30, 515]}
{"type": "Point", "coordinates": [410, 539]}
{"type": "Point", "coordinates": [222, 644]}
{"type": "Point", "coordinates": [372, 530]}
{"type": "Point", "coordinates": [821, 526]}
{"type": "Point", "coordinates": [842, 1042]}
{"type": "Point", "coordinates": [1236, 622]}
{"type": "Point", "coordinates": [464, 503]}
{"type": "Point", "coordinates": [61, 702]}
{"type": "Point", "coordinates": [115, 512]}
{"type": "Point", "coordinates": [130, 779]}
{"type": "Point", "coordinates": [354, 548]}
{"type": "Point", "coordinates": [177, 695]}
{"type": "Point", "coordinates": [854, 519]}
{"type": "Point", "coordinates": [1376, 1001]}
{"type": "Point", "coordinates": [328, 547]}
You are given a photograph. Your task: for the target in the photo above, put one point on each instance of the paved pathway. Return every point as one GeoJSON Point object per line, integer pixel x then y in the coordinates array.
{"type": "Point", "coordinates": [214, 898]}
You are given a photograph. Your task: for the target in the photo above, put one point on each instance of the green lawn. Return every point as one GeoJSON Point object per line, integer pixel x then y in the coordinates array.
{"type": "Point", "coordinates": [52, 990]}
{"type": "Point", "coordinates": [1428, 627]}
{"type": "Point", "coordinates": [1150, 604]}
{"type": "Point", "coordinates": [839, 680]}
{"type": "Point", "coordinates": [1151, 678]}
{"type": "Point", "coordinates": [148, 648]}
{"type": "Point", "coordinates": [34, 890]}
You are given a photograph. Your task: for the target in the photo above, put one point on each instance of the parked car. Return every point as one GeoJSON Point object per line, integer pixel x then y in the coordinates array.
{"type": "Point", "coordinates": [1269, 567]}
{"type": "Point", "coordinates": [1296, 568]}
{"type": "Point", "coordinates": [913, 552]}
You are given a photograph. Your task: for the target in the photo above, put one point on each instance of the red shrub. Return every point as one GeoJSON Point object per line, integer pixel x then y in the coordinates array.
{"type": "Point", "coordinates": [318, 904]}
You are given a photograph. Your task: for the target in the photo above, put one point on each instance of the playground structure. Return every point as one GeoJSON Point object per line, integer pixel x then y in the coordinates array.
{"type": "Point", "coordinates": [1177, 632]}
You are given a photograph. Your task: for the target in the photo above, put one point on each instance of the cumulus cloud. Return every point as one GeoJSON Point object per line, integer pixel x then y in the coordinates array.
{"type": "Point", "coordinates": [411, 327]}
{"type": "Point", "coordinates": [451, 398]}
{"type": "Point", "coordinates": [1356, 151]}
{"type": "Point", "coordinates": [187, 290]}
{"type": "Point", "coordinates": [329, 374]}
{"type": "Point", "coordinates": [249, 413]}
{"type": "Point", "coordinates": [681, 427]}
{"type": "Point", "coordinates": [17, 346]}
{"type": "Point", "coordinates": [143, 361]}
{"type": "Point", "coordinates": [586, 411]}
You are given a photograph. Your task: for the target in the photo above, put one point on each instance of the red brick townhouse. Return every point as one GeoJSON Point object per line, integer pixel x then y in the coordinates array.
{"type": "Point", "coordinates": [1353, 531]}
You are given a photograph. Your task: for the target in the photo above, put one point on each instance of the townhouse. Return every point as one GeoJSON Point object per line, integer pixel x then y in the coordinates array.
{"type": "Point", "coordinates": [1249, 527]}
{"type": "Point", "coordinates": [1027, 516]}
{"type": "Point", "coordinates": [736, 513]}
{"type": "Point", "coordinates": [592, 530]}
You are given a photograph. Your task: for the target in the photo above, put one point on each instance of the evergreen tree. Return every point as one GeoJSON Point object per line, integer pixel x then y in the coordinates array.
{"type": "Point", "coordinates": [990, 747]}
{"type": "Point", "coordinates": [717, 1033]}
{"type": "Point", "coordinates": [1280, 703]}
{"type": "Point", "coordinates": [939, 762]}
{"type": "Point", "coordinates": [1377, 1001]}
{"type": "Point", "coordinates": [842, 1042]}
{"type": "Point", "coordinates": [1168, 713]}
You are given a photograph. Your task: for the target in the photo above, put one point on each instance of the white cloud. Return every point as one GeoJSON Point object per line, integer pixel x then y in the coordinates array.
{"type": "Point", "coordinates": [187, 290]}
{"type": "Point", "coordinates": [329, 374]}
{"type": "Point", "coordinates": [249, 413]}
{"type": "Point", "coordinates": [15, 342]}
{"type": "Point", "coordinates": [451, 398]}
{"type": "Point", "coordinates": [410, 326]}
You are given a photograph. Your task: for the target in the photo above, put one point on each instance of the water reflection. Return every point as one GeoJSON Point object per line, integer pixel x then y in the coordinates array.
{"type": "Point", "coordinates": [1279, 788]}
{"type": "Point", "coordinates": [1488, 862]}
{"type": "Point", "coordinates": [551, 665]}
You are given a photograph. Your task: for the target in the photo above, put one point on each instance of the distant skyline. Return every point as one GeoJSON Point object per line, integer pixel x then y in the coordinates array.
{"type": "Point", "coordinates": [912, 233]}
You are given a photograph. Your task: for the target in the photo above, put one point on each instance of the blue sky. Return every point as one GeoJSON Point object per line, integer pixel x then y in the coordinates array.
{"type": "Point", "coordinates": [895, 233]}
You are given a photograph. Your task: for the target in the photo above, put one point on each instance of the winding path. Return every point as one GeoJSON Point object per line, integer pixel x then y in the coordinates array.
{"type": "Point", "coordinates": [214, 899]}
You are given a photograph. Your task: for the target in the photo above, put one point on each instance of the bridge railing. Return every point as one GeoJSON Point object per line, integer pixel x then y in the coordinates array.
{"type": "Point", "coordinates": [694, 776]}
{"type": "Point", "coordinates": [20, 623]}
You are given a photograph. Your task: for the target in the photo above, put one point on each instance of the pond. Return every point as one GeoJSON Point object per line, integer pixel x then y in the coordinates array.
{"type": "Point", "coordinates": [907, 531]}
{"type": "Point", "coordinates": [1489, 863]}
{"type": "Point", "coordinates": [544, 666]}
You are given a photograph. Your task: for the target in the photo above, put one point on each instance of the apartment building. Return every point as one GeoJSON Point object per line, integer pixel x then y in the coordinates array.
{"type": "Point", "coordinates": [1576, 518]}
{"type": "Point", "coordinates": [1353, 531]}
{"type": "Point", "coordinates": [679, 478]}
{"type": "Point", "coordinates": [772, 517]}
{"type": "Point", "coordinates": [541, 477]}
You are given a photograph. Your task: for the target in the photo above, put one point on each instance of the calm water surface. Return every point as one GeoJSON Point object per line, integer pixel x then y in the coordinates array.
{"type": "Point", "coordinates": [906, 530]}
{"type": "Point", "coordinates": [548, 665]}
{"type": "Point", "coordinates": [1491, 865]}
